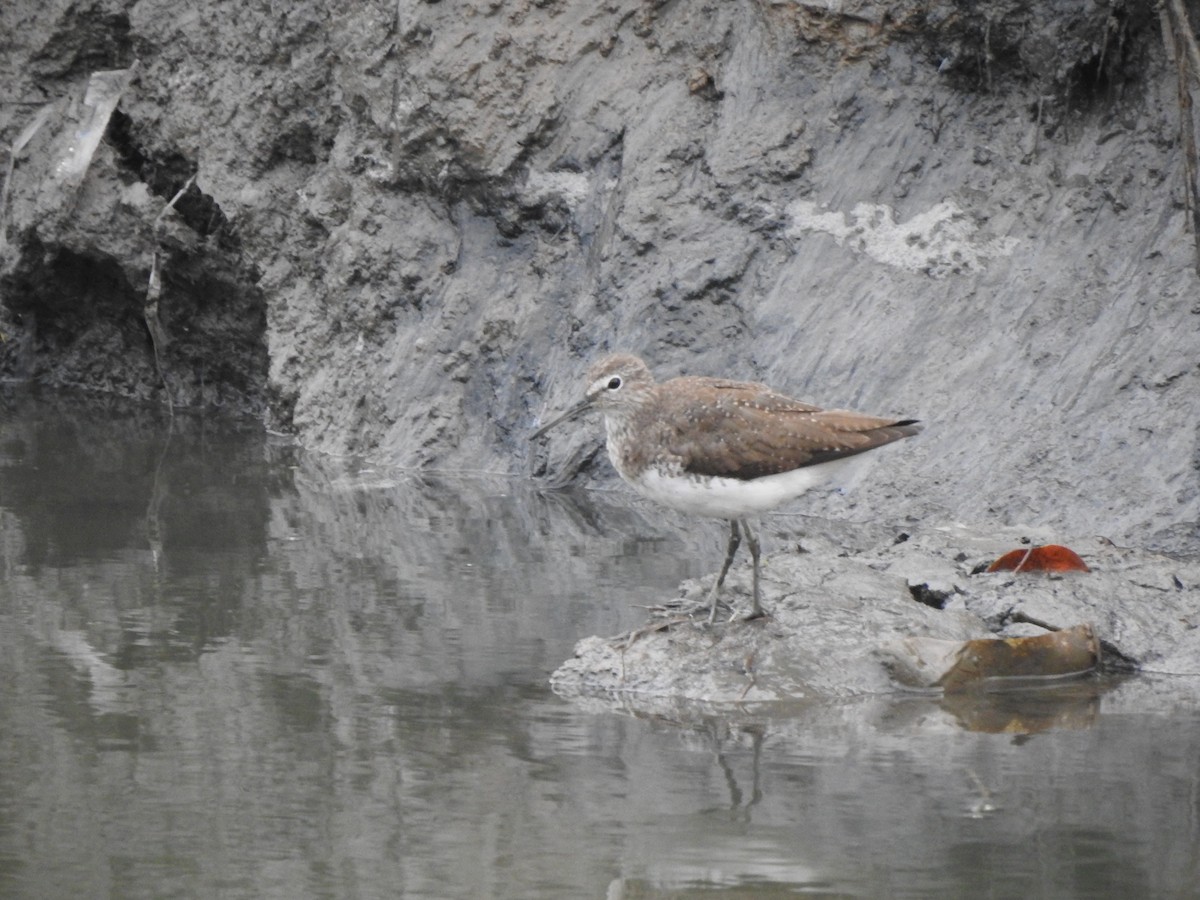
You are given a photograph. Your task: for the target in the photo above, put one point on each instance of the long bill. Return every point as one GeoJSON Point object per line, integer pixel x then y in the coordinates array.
{"type": "Point", "coordinates": [577, 410]}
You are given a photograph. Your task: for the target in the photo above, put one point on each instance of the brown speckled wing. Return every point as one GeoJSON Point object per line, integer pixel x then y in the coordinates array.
{"type": "Point", "coordinates": [743, 430]}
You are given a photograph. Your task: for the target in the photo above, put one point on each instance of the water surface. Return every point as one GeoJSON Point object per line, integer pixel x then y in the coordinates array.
{"type": "Point", "coordinates": [230, 670]}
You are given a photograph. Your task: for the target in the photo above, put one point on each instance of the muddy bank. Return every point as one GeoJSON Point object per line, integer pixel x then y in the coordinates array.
{"type": "Point", "coordinates": [841, 622]}
{"type": "Point", "coordinates": [402, 232]}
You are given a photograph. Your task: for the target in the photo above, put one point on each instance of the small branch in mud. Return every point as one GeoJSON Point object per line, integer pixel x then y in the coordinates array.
{"type": "Point", "coordinates": [1018, 616]}
{"type": "Point", "coordinates": [1184, 34]}
{"type": "Point", "coordinates": [158, 335]}
{"type": "Point", "coordinates": [1181, 40]}
{"type": "Point", "coordinates": [1037, 125]}
{"type": "Point", "coordinates": [171, 203]}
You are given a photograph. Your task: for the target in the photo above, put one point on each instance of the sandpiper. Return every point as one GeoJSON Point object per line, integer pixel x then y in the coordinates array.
{"type": "Point", "coordinates": [721, 448]}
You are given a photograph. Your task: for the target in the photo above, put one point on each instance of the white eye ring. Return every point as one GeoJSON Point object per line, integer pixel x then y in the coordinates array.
{"type": "Point", "coordinates": [614, 383]}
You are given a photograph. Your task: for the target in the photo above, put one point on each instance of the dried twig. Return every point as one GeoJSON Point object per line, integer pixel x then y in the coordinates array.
{"type": "Point", "coordinates": [1178, 32]}
{"type": "Point", "coordinates": [158, 335]}
{"type": "Point", "coordinates": [1184, 33]}
{"type": "Point", "coordinates": [171, 204]}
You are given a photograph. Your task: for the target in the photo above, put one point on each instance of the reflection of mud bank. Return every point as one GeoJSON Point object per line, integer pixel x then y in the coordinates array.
{"type": "Point", "coordinates": [128, 537]}
{"type": "Point", "coordinates": [159, 481]}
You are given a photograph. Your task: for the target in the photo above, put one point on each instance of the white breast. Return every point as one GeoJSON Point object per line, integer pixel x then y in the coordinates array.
{"type": "Point", "coordinates": [731, 498]}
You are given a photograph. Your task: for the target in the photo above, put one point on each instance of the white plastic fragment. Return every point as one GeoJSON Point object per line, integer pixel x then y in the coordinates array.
{"type": "Point", "coordinates": [104, 91]}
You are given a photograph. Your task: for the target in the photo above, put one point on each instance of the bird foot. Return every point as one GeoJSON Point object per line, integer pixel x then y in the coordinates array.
{"type": "Point", "coordinates": [680, 607]}
{"type": "Point", "coordinates": [684, 608]}
{"type": "Point", "coordinates": [713, 618]}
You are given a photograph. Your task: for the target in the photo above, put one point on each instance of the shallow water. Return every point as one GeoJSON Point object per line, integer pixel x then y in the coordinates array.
{"type": "Point", "coordinates": [231, 670]}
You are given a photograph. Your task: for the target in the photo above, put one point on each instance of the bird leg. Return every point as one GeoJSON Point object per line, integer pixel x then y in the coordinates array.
{"type": "Point", "coordinates": [735, 540]}
{"type": "Point", "coordinates": [756, 611]}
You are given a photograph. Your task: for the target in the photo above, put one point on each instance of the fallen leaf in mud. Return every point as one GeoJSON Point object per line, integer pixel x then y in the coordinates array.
{"type": "Point", "coordinates": [1047, 558]}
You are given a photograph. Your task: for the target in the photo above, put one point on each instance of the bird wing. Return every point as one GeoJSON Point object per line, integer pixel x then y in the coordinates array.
{"type": "Point", "coordinates": [744, 430]}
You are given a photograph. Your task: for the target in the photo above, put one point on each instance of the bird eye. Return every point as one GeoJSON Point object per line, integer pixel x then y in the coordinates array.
{"type": "Point", "coordinates": [614, 383]}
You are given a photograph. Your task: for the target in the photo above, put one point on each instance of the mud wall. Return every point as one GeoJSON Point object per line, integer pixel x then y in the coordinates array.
{"type": "Point", "coordinates": [401, 230]}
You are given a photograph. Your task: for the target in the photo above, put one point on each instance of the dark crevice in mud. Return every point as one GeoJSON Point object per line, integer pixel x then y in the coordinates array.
{"type": "Point", "coordinates": [71, 303]}
{"type": "Point", "coordinates": [165, 174]}
{"type": "Point", "coordinates": [1078, 62]}
{"type": "Point", "coordinates": [80, 309]}
{"type": "Point", "coordinates": [83, 325]}
{"type": "Point", "coordinates": [216, 320]}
